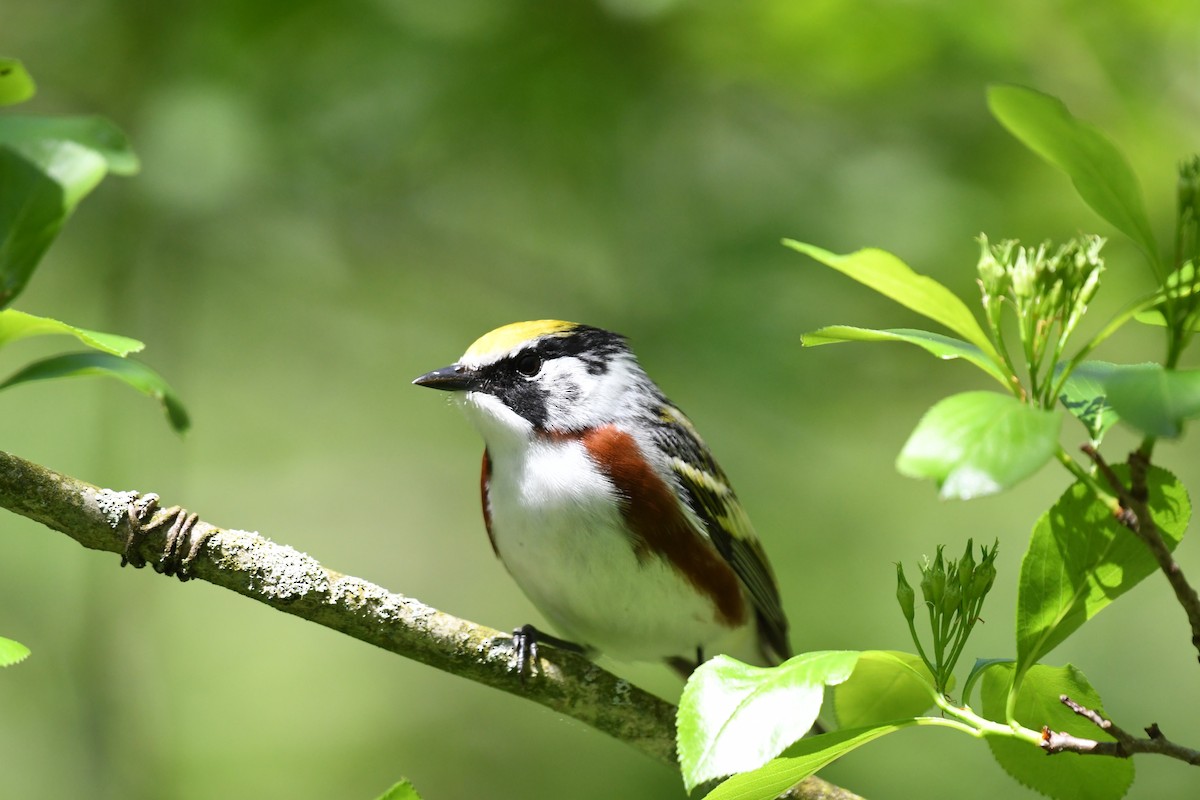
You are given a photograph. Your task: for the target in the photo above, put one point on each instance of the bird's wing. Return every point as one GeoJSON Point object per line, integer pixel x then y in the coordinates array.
{"type": "Point", "coordinates": [710, 497]}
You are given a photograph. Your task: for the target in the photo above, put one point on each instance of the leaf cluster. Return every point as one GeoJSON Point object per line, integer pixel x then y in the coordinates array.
{"type": "Point", "coordinates": [1082, 554]}
{"type": "Point", "coordinates": [47, 166]}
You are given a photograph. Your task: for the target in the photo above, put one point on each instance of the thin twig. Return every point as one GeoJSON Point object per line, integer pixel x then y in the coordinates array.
{"type": "Point", "coordinates": [1136, 515]}
{"type": "Point", "coordinates": [1114, 481]}
{"type": "Point", "coordinates": [177, 543]}
{"type": "Point", "coordinates": [1125, 745]}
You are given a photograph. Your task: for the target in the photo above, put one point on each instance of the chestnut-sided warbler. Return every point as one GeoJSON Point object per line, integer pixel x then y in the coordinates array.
{"type": "Point", "coordinates": [606, 506]}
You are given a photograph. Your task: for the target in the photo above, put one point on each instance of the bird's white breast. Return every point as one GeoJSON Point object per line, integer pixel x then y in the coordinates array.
{"type": "Point", "coordinates": [557, 526]}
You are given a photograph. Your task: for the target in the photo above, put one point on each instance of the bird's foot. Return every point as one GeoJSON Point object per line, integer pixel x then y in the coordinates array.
{"type": "Point", "coordinates": [525, 641]}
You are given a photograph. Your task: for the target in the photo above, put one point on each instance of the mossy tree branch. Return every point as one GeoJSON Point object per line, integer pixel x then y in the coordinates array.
{"type": "Point", "coordinates": [298, 584]}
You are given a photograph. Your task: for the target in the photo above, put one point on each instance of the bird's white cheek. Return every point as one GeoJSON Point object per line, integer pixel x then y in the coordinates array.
{"type": "Point", "coordinates": [495, 421]}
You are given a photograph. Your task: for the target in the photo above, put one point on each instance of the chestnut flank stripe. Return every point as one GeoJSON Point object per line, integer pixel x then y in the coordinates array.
{"type": "Point", "coordinates": [659, 525]}
{"type": "Point", "coordinates": [485, 478]}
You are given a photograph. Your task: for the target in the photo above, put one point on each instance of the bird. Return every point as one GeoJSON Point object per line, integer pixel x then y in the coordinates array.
{"type": "Point", "coordinates": [605, 505]}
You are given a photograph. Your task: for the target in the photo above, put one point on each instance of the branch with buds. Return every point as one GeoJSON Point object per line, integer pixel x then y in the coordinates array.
{"type": "Point", "coordinates": [1136, 516]}
{"type": "Point", "coordinates": [1125, 746]}
{"type": "Point", "coordinates": [178, 543]}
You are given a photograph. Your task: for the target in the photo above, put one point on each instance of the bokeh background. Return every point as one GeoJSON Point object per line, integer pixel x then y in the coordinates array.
{"type": "Point", "coordinates": [337, 197]}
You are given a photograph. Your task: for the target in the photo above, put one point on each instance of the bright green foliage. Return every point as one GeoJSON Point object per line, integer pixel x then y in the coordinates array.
{"type": "Point", "coordinates": [891, 277]}
{"type": "Point", "coordinates": [1100, 172]}
{"type": "Point", "coordinates": [1084, 395]}
{"type": "Point", "coordinates": [885, 686]}
{"type": "Point", "coordinates": [801, 760]}
{"type": "Point", "coordinates": [1153, 399]}
{"type": "Point", "coordinates": [28, 134]}
{"type": "Point", "coordinates": [980, 666]}
{"type": "Point", "coordinates": [944, 347]}
{"type": "Point", "coordinates": [32, 210]}
{"type": "Point", "coordinates": [47, 166]}
{"type": "Point", "coordinates": [975, 444]}
{"type": "Point", "coordinates": [12, 652]}
{"type": "Point", "coordinates": [1179, 297]}
{"type": "Point", "coordinates": [730, 715]}
{"type": "Point", "coordinates": [404, 790]}
{"type": "Point", "coordinates": [1080, 559]}
{"type": "Point", "coordinates": [1177, 304]}
{"type": "Point", "coordinates": [1155, 317]}
{"type": "Point", "coordinates": [979, 443]}
{"type": "Point", "coordinates": [16, 325]}
{"type": "Point", "coordinates": [729, 718]}
{"type": "Point", "coordinates": [132, 373]}
{"type": "Point", "coordinates": [1065, 776]}
{"type": "Point", "coordinates": [16, 84]}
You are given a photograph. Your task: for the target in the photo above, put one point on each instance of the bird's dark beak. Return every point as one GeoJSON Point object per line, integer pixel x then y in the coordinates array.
{"type": "Point", "coordinates": [454, 378]}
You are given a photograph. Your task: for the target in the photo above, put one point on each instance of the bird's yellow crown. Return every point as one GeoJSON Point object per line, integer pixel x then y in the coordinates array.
{"type": "Point", "coordinates": [513, 335]}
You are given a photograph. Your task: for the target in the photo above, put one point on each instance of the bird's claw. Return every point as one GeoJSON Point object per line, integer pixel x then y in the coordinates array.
{"type": "Point", "coordinates": [525, 641]}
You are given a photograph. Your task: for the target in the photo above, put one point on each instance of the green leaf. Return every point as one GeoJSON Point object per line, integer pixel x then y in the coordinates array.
{"type": "Point", "coordinates": [729, 716]}
{"type": "Point", "coordinates": [892, 278]}
{"type": "Point", "coordinates": [31, 213]}
{"type": "Point", "coordinates": [133, 373]}
{"type": "Point", "coordinates": [75, 168]}
{"type": "Point", "coordinates": [16, 84]}
{"type": "Point", "coordinates": [1099, 170]}
{"type": "Point", "coordinates": [16, 325]}
{"type": "Point", "coordinates": [1157, 319]}
{"type": "Point", "coordinates": [1080, 559]}
{"type": "Point", "coordinates": [981, 666]}
{"type": "Point", "coordinates": [1153, 399]}
{"type": "Point", "coordinates": [1176, 290]}
{"type": "Point", "coordinates": [404, 790]}
{"type": "Point", "coordinates": [804, 758]}
{"type": "Point", "coordinates": [944, 347]}
{"type": "Point", "coordinates": [48, 165]}
{"type": "Point", "coordinates": [979, 443]}
{"type": "Point", "coordinates": [1065, 776]}
{"type": "Point", "coordinates": [1085, 396]}
{"type": "Point", "coordinates": [12, 652]}
{"type": "Point", "coordinates": [97, 134]}
{"type": "Point", "coordinates": [886, 685]}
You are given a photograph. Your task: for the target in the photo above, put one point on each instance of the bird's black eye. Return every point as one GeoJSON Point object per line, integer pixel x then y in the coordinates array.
{"type": "Point", "coordinates": [529, 364]}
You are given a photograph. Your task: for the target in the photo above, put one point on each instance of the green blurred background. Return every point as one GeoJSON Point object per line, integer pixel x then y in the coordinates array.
{"type": "Point", "coordinates": [337, 197]}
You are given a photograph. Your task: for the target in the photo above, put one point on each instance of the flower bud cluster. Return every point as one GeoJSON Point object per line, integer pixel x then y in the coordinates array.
{"type": "Point", "coordinates": [953, 592]}
{"type": "Point", "coordinates": [1052, 284]}
{"type": "Point", "coordinates": [1048, 288]}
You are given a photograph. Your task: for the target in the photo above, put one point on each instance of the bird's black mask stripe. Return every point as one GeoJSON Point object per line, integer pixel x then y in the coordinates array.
{"type": "Point", "coordinates": [524, 394]}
